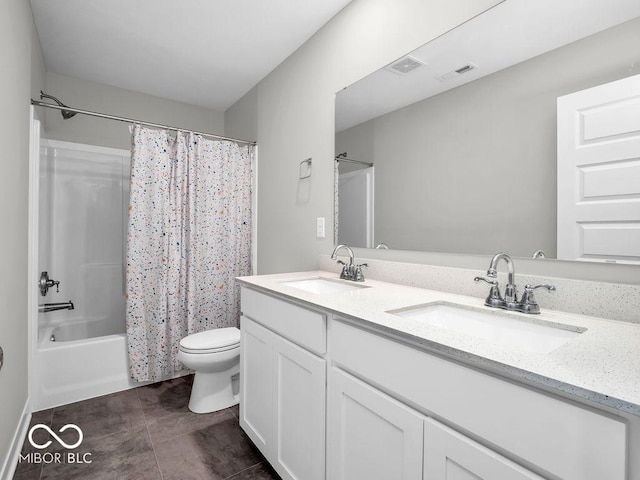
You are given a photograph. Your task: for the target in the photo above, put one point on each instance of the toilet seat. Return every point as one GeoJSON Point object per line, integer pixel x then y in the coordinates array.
{"type": "Point", "coordinates": [211, 341]}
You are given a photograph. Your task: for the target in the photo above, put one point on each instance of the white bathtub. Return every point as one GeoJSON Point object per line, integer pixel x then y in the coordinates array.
{"type": "Point", "coordinates": [87, 359]}
{"type": "Point", "coordinates": [85, 329]}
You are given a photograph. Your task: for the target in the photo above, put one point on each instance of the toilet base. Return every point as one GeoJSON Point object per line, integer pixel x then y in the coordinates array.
{"type": "Point", "coordinates": [213, 391]}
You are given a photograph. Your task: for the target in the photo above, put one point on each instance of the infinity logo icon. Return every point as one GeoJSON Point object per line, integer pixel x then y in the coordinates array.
{"type": "Point", "coordinates": [53, 434]}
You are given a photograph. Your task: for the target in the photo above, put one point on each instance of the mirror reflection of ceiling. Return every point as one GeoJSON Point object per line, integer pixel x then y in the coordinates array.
{"type": "Point", "coordinates": [507, 34]}
{"type": "Point", "coordinates": [472, 170]}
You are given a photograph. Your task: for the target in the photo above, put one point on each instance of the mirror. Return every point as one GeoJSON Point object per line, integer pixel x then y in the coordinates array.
{"type": "Point", "coordinates": [463, 147]}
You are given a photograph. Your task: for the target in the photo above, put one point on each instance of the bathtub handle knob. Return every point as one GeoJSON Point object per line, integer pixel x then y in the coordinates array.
{"type": "Point", "coordinates": [46, 283]}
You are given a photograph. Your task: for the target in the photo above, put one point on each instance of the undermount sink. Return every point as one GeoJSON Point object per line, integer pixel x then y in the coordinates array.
{"type": "Point", "coordinates": [497, 328]}
{"type": "Point", "coordinates": [323, 285]}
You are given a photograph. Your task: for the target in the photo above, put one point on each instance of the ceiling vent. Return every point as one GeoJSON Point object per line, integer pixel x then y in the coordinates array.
{"type": "Point", "coordinates": [457, 72]}
{"type": "Point", "coordinates": [404, 65]}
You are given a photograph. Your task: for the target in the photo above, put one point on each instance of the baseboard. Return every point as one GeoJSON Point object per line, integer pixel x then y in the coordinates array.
{"type": "Point", "coordinates": [11, 462]}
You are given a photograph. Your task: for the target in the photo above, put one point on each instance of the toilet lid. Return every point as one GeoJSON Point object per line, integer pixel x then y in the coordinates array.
{"type": "Point", "coordinates": [211, 340]}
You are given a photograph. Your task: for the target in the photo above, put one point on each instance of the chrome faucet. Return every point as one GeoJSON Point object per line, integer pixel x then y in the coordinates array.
{"type": "Point", "coordinates": [510, 299]}
{"type": "Point", "coordinates": [52, 307]}
{"type": "Point", "coordinates": [350, 271]}
{"type": "Point", "coordinates": [510, 292]}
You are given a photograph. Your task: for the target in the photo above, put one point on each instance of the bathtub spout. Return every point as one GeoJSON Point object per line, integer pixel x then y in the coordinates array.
{"type": "Point", "coordinates": [51, 307]}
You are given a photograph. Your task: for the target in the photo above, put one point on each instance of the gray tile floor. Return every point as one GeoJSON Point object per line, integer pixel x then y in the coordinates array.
{"type": "Point", "coordinates": [147, 433]}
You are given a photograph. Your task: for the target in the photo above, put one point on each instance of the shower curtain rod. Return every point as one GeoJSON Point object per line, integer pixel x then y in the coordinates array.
{"type": "Point", "coordinates": [345, 159]}
{"type": "Point", "coordinates": [130, 120]}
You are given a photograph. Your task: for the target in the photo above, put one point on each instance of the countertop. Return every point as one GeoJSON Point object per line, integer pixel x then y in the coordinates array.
{"type": "Point", "coordinates": [601, 365]}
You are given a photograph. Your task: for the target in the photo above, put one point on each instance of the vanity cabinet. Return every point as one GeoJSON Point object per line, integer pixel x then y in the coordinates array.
{"type": "Point", "coordinates": [396, 410]}
{"type": "Point", "coordinates": [282, 391]}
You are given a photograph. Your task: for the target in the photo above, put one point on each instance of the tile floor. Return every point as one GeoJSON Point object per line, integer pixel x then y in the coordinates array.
{"type": "Point", "coordinates": [147, 433]}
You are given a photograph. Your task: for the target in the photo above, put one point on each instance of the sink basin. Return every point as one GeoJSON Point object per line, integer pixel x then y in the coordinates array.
{"type": "Point", "coordinates": [323, 285]}
{"type": "Point", "coordinates": [501, 329]}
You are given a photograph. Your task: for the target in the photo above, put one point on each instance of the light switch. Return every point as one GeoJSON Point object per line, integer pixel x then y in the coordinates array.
{"type": "Point", "coordinates": [320, 227]}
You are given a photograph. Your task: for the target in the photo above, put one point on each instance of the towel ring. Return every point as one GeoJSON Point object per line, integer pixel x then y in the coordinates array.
{"type": "Point", "coordinates": [308, 162]}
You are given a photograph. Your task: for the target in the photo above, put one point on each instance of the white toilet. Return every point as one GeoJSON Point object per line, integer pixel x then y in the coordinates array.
{"type": "Point", "coordinates": [215, 357]}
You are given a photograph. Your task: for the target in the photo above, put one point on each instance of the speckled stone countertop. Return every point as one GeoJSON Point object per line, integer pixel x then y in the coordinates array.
{"type": "Point", "coordinates": [601, 365]}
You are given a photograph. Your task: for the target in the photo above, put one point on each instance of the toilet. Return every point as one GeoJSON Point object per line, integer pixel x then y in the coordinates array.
{"type": "Point", "coordinates": [215, 357]}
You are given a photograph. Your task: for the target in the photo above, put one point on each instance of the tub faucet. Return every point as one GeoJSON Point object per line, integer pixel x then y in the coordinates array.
{"type": "Point", "coordinates": [52, 307]}
{"type": "Point", "coordinates": [350, 271]}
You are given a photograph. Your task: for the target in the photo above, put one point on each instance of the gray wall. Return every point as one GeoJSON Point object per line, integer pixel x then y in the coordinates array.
{"type": "Point", "coordinates": [22, 74]}
{"type": "Point", "coordinates": [473, 170]}
{"type": "Point", "coordinates": [102, 98]}
{"type": "Point", "coordinates": [292, 112]}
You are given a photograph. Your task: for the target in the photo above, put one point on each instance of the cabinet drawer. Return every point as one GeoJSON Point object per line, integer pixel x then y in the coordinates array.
{"type": "Point", "coordinates": [561, 438]}
{"type": "Point", "coordinates": [302, 326]}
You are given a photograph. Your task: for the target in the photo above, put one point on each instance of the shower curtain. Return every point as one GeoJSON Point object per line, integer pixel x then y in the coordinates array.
{"type": "Point", "coordinates": [189, 236]}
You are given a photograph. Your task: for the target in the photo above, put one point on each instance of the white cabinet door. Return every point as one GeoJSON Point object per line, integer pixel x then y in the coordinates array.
{"type": "Point", "coordinates": [256, 384]}
{"type": "Point", "coordinates": [300, 382]}
{"type": "Point", "coordinates": [599, 173]}
{"type": "Point", "coordinates": [370, 435]}
{"type": "Point", "coordinates": [449, 455]}
{"type": "Point", "coordinates": [282, 402]}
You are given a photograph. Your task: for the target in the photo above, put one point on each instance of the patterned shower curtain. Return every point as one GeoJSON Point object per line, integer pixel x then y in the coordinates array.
{"type": "Point", "coordinates": [189, 236]}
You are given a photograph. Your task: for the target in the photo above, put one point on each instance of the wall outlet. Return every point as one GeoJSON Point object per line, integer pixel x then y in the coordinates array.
{"type": "Point", "coordinates": [320, 227]}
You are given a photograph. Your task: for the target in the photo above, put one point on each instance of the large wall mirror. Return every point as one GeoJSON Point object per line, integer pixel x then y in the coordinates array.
{"type": "Point", "coordinates": [453, 148]}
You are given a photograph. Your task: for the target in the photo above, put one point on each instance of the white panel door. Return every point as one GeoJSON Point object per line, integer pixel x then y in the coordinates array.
{"type": "Point", "coordinates": [299, 412]}
{"type": "Point", "coordinates": [370, 435]}
{"type": "Point", "coordinates": [449, 455]}
{"type": "Point", "coordinates": [599, 173]}
{"type": "Point", "coordinates": [355, 210]}
{"type": "Point", "coordinates": [282, 402]}
{"type": "Point", "coordinates": [256, 384]}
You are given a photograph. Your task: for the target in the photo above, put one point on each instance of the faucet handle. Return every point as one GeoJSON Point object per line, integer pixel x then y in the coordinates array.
{"type": "Point", "coordinates": [531, 288]}
{"type": "Point", "coordinates": [528, 302]}
{"type": "Point", "coordinates": [345, 274]}
{"type": "Point", "coordinates": [494, 299]}
{"type": "Point", "coordinates": [358, 275]}
{"type": "Point", "coordinates": [493, 283]}
{"type": "Point", "coordinates": [46, 283]}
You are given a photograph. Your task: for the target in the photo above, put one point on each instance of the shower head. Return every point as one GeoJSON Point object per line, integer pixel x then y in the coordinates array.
{"type": "Point", "coordinates": [66, 114]}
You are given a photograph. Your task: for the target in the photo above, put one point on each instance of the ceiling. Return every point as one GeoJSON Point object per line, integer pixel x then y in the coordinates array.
{"type": "Point", "coordinates": [202, 52]}
{"type": "Point", "coordinates": [509, 33]}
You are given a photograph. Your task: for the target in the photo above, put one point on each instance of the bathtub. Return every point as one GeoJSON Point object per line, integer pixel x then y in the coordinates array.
{"type": "Point", "coordinates": [86, 329]}
{"type": "Point", "coordinates": [79, 360]}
